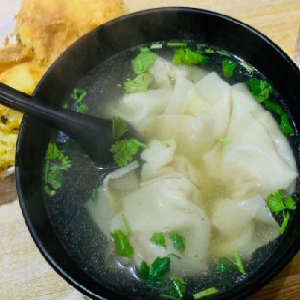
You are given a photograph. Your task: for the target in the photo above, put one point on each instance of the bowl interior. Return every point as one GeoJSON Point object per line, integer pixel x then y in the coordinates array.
{"type": "Point", "coordinates": [94, 48]}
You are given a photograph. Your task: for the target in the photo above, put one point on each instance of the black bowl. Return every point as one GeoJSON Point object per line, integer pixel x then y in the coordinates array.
{"type": "Point", "coordinates": [116, 36]}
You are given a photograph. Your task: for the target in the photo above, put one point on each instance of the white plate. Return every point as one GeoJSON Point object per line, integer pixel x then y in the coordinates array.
{"type": "Point", "coordinates": [8, 10]}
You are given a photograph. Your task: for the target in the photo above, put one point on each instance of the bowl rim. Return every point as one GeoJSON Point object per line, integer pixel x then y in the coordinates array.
{"type": "Point", "coordinates": [240, 292]}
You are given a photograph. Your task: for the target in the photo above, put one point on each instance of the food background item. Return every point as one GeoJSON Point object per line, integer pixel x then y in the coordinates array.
{"type": "Point", "coordinates": [44, 29]}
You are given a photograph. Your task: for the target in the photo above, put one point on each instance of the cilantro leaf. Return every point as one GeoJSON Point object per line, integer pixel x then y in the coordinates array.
{"type": "Point", "coordinates": [124, 151]}
{"type": "Point", "coordinates": [285, 125]}
{"type": "Point", "coordinates": [260, 89]}
{"type": "Point", "coordinates": [144, 270]}
{"type": "Point", "coordinates": [82, 108]}
{"type": "Point", "coordinates": [143, 61]}
{"type": "Point", "coordinates": [119, 127]}
{"type": "Point", "coordinates": [286, 218]}
{"type": "Point", "coordinates": [228, 68]}
{"type": "Point", "coordinates": [290, 203]}
{"type": "Point", "coordinates": [158, 239]}
{"type": "Point", "coordinates": [236, 260]}
{"type": "Point", "coordinates": [122, 243]}
{"type": "Point", "coordinates": [78, 94]}
{"type": "Point", "coordinates": [126, 224]}
{"type": "Point", "coordinates": [189, 57]}
{"type": "Point", "coordinates": [271, 106]}
{"type": "Point", "coordinates": [159, 269]}
{"type": "Point", "coordinates": [138, 84]}
{"type": "Point", "coordinates": [94, 194]}
{"type": "Point", "coordinates": [205, 293]}
{"type": "Point", "coordinates": [225, 140]}
{"type": "Point", "coordinates": [178, 241]}
{"type": "Point", "coordinates": [177, 290]}
{"type": "Point", "coordinates": [56, 163]}
{"type": "Point", "coordinates": [275, 202]}
{"type": "Point", "coordinates": [222, 267]}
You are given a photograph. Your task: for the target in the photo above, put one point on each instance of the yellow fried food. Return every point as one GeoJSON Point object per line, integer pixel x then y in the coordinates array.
{"type": "Point", "coordinates": [24, 77]}
{"type": "Point", "coordinates": [48, 27]}
{"type": "Point", "coordinates": [44, 28]}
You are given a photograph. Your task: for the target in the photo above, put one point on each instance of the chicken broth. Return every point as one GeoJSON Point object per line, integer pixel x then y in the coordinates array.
{"type": "Point", "coordinates": [200, 193]}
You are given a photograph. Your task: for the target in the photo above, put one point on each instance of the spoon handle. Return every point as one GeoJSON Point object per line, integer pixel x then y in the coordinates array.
{"type": "Point", "coordinates": [93, 134]}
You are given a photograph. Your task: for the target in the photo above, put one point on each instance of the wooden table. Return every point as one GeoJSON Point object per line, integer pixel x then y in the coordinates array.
{"type": "Point", "coordinates": [24, 274]}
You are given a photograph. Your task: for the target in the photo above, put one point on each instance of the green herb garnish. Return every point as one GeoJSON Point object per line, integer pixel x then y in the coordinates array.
{"type": "Point", "coordinates": [209, 51]}
{"type": "Point", "coordinates": [142, 62]}
{"type": "Point", "coordinates": [82, 108]}
{"type": "Point", "coordinates": [126, 224]}
{"type": "Point", "coordinates": [222, 267]}
{"type": "Point", "coordinates": [56, 163]}
{"type": "Point", "coordinates": [285, 125]}
{"type": "Point", "coordinates": [205, 293]}
{"type": "Point", "coordinates": [156, 274]}
{"type": "Point", "coordinates": [78, 94]}
{"type": "Point", "coordinates": [122, 244]}
{"type": "Point", "coordinates": [228, 67]}
{"type": "Point", "coordinates": [236, 260]}
{"type": "Point", "coordinates": [225, 140]}
{"type": "Point", "coordinates": [178, 241]}
{"type": "Point", "coordinates": [286, 218]}
{"type": "Point", "coordinates": [119, 127]}
{"type": "Point", "coordinates": [158, 239]}
{"type": "Point", "coordinates": [189, 57]}
{"type": "Point", "coordinates": [260, 89]}
{"type": "Point", "coordinates": [125, 150]}
{"type": "Point", "coordinates": [271, 106]}
{"type": "Point", "coordinates": [94, 195]}
{"type": "Point", "coordinates": [177, 289]}
{"type": "Point", "coordinates": [138, 84]}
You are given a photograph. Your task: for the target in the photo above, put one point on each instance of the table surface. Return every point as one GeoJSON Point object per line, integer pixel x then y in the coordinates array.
{"type": "Point", "coordinates": [24, 274]}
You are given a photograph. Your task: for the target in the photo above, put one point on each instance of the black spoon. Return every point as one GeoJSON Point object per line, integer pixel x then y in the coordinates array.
{"type": "Point", "coordinates": [94, 135]}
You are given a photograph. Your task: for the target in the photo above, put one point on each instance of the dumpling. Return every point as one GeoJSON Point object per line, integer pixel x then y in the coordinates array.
{"type": "Point", "coordinates": [152, 208]}
{"type": "Point", "coordinates": [253, 226]}
{"type": "Point", "coordinates": [136, 108]}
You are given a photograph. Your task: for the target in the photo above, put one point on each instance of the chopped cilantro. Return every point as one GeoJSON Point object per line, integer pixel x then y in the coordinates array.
{"type": "Point", "coordinates": [285, 125]}
{"type": "Point", "coordinates": [228, 68]}
{"type": "Point", "coordinates": [158, 271]}
{"type": "Point", "coordinates": [124, 151]}
{"type": "Point", "coordinates": [56, 163]}
{"type": "Point", "coordinates": [222, 267]}
{"type": "Point", "coordinates": [178, 241]}
{"type": "Point", "coordinates": [177, 289]}
{"type": "Point", "coordinates": [209, 51]}
{"type": "Point", "coordinates": [189, 57]}
{"type": "Point", "coordinates": [271, 106]}
{"type": "Point", "coordinates": [158, 239]}
{"type": "Point", "coordinates": [236, 260]}
{"type": "Point", "coordinates": [94, 195]}
{"type": "Point", "coordinates": [176, 44]}
{"type": "Point", "coordinates": [286, 218]}
{"type": "Point", "coordinates": [290, 203]}
{"type": "Point", "coordinates": [122, 243]}
{"type": "Point", "coordinates": [225, 140]}
{"type": "Point", "coordinates": [82, 108]}
{"type": "Point", "coordinates": [144, 270]}
{"type": "Point", "coordinates": [205, 293]}
{"type": "Point", "coordinates": [138, 84]}
{"type": "Point", "coordinates": [156, 46]}
{"type": "Point", "coordinates": [260, 89]}
{"type": "Point", "coordinates": [126, 224]}
{"type": "Point", "coordinates": [119, 127]}
{"type": "Point", "coordinates": [142, 62]}
{"type": "Point", "coordinates": [78, 94]}
{"type": "Point", "coordinates": [275, 202]}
